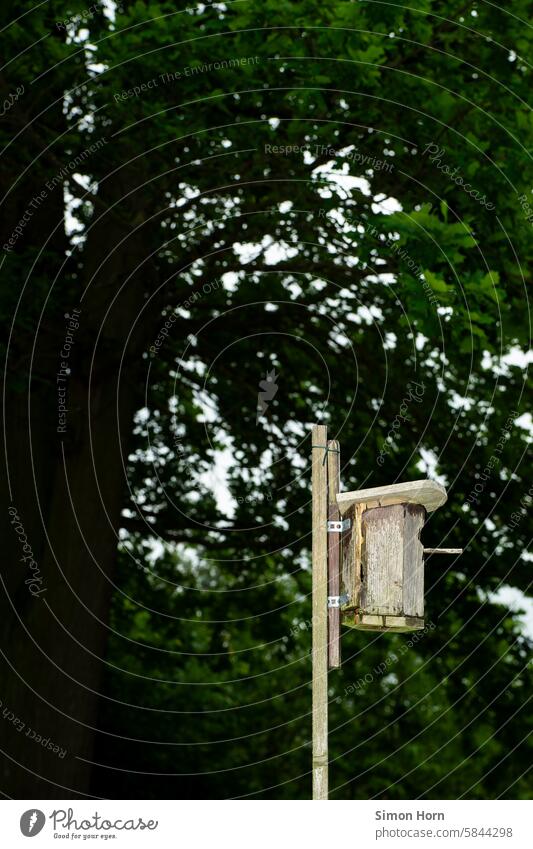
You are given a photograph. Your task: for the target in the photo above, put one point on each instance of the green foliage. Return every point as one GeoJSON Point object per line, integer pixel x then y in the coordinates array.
{"type": "Point", "coordinates": [207, 681]}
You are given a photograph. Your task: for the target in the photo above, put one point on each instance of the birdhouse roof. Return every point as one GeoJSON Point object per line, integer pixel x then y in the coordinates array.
{"type": "Point", "coordinates": [429, 494]}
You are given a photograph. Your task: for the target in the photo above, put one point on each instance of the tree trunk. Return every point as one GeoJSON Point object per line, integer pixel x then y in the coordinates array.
{"type": "Point", "coordinates": [54, 635]}
{"type": "Point", "coordinates": [67, 489]}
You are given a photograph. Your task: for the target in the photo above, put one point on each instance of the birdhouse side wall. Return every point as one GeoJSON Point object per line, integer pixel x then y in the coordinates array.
{"type": "Point", "coordinates": [413, 565]}
{"type": "Point", "coordinates": [351, 565]}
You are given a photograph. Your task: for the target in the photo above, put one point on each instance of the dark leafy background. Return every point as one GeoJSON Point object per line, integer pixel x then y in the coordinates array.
{"type": "Point", "coordinates": [170, 653]}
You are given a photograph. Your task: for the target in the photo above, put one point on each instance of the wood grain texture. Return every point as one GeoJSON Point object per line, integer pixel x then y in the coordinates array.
{"type": "Point", "coordinates": [348, 559]}
{"type": "Point", "coordinates": [334, 547]}
{"type": "Point", "coordinates": [443, 550]}
{"type": "Point", "coordinates": [413, 561]}
{"type": "Point", "coordinates": [429, 494]}
{"type": "Point", "coordinates": [320, 612]}
{"type": "Point", "coordinates": [383, 561]}
{"type": "Point", "coordinates": [369, 622]}
{"type": "Point", "coordinates": [359, 509]}
{"type": "Point", "coordinates": [383, 568]}
{"type": "Point", "coordinates": [351, 558]}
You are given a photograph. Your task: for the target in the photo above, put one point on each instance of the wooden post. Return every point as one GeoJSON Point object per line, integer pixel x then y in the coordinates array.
{"type": "Point", "coordinates": [320, 610]}
{"type": "Point", "coordinates": [334, 544]}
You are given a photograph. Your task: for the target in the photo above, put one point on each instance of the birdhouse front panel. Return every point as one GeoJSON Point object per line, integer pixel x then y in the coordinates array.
{"type": "Point", "coordinates": [382, 581]}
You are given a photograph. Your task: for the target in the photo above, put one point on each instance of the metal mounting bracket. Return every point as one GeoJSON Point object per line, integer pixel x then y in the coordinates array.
{"type": "Point", "coordinates": [339, 527]}
{"type": "Point", "coordinates": [337, 600]}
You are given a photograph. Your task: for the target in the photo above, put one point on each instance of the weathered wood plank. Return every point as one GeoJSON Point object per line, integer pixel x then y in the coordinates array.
{"type": "Point", "coordinates": [413, 561]}
{"type": "Point", "coordinates": [443, 550]}
{"type": "Point", "coordinates": [429, 494]}
{"type": "Point", "coordinates": [351, 558]}
{"type": "Point", "coordinates": [359, 509]}
{"type": "Point", "coordinates": [347, 558]}
{"type": "Point", "coordinates": [320, 612]}
{"type": "Point", "coordinates": [383, 561]}
{"type": "Point", "coordinates": [369, 622]}
{"type": "Point", "coordinates": [334, 546]}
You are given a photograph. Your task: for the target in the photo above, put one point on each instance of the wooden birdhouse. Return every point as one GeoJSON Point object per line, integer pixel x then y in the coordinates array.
{"type": "Point", "coordinates": [382, 567]}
